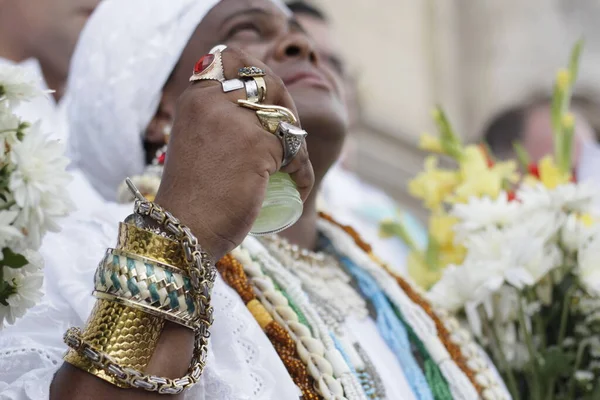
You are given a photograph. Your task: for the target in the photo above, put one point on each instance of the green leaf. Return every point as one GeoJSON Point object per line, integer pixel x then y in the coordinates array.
{"type": "Point", "coordinates": [574, 61]}
{"type": "Point", "coordinates": [554, 363]}
{"type": "Point", "coordinates": [449, 139]}
{"type": "Point", "coordinates": [522, 155]}
{"type": "Point", "coordinates": [391, 228]}
{"type": "Point", "coordinates": [432, 254]}
{"type": "Point", "coordinates": [13, 260]}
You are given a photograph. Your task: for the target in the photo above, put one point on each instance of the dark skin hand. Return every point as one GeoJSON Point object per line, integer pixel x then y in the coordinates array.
{"type": "Point", "coordinates": [223, 150]}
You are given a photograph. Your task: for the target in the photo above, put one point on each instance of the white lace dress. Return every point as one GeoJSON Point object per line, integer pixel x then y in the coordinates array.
{"type": "Point", "coordinates": [242, 363]}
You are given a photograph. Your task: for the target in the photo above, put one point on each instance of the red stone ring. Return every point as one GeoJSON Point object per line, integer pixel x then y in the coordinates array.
{"type": "Point", "coordinates": [210, 66]}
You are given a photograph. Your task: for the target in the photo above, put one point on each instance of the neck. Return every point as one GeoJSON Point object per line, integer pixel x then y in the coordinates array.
{"type": "Point", "coordinates": [304, 232]}
{"type": "Point", "coordinates": [55, 81]}
{"type": "Point", "coordinates": [11, 47]}
{"type": "Point", "coordinates": [324, 151]}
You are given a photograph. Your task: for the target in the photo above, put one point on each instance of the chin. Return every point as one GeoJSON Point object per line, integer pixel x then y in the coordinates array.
{"type": "Point", "coordinates": [321, 113]}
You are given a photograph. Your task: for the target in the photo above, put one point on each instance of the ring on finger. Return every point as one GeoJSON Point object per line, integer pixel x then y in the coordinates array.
{"type": "Point", "coordinates": [291, 138]}
{"type": "Point", "coordinates": [210, 66]}
{"type": "Point", "coordinates": [285, 113]}
{"type": "Point", "coordinates": [252, 91]}
{"type": "Point", "coordinates": [262, 88]}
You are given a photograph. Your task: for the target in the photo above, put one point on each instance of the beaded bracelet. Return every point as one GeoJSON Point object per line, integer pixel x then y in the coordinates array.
{"type": "Point", "coordinates": [202, 274]}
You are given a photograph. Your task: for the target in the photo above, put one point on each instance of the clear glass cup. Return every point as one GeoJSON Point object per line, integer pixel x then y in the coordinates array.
{"type": "Point", "coordinates": [281, 208]}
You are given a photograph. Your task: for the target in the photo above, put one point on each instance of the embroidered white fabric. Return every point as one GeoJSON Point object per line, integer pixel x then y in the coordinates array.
{"type": "Point", "coordinates": [242, 363]}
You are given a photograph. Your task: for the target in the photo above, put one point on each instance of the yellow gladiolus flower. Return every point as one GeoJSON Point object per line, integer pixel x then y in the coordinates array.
{"type": "Point", "coordinates": [473, 161]}
{"type": "Point", "coordinates": [563, 79]}
{"type": "Point", "coordinates": [507, 170]}
{"type": "Point", "coordinates": [441, 228]}
{"type": "Point", "coordinates": [486, 183]}
{"type": "Point", "coordinates": [452, 255]}
{"type": "Point", "coordinates": [420, 273]}
{"type": "Point", "coordinates": [430, 143]}
{"type": "Point", "coordinates": [433, 185]}
{"type": "Point", "coordinates": [550, 175]}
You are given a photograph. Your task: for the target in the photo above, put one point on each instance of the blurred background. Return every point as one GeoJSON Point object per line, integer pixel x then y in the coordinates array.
{"type": "Point", "coordinates": [474, 58]}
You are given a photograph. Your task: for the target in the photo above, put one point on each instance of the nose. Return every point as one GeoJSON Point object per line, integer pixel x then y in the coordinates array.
{"type": "Point", "coordinates": [296, 45]}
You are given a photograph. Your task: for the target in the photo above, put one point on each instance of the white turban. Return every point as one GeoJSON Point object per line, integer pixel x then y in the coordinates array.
{"type": "Point", "coordinates": [124, 57]}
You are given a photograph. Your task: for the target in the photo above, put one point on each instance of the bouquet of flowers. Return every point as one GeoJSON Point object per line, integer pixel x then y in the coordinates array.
{"type": "Point", "coordinates": [33, 195]}
{"type": "Point", "coordinates": [516, 250]}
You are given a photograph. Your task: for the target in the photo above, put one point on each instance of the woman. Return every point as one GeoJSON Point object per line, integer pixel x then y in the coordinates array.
{"type": "Point", "coordinates": [219, 161]}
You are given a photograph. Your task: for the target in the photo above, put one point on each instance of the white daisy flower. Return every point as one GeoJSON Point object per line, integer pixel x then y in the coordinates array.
{"type": "Point", "coordinates": [18, 84]}
{"type": "Point", "coordinates": [482, 212]}
{"type": "Point", "coordinates": [38, 184]}
{"type": "Point", "coordinates": [588, 268]}
{"type": "Point", "coordinates": [27, 283]}
{"type": "Point", "coordinates": [8, 232]}
{"type": "Point", "coordinates": [574, 233]}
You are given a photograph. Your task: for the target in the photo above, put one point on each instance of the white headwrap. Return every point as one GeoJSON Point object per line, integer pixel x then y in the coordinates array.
{"type": "Point", "coordinates": [123, 59]}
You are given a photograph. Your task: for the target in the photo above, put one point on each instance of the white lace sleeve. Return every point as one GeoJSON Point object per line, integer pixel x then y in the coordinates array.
{"type": "Point", "coordinates": [242, 363]}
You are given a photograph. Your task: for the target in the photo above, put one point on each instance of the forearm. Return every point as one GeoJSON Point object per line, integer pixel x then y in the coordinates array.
{"type": "Point", "coordinates": [147, 333]}
{"type": "Point", "coordinates": [171, 358]}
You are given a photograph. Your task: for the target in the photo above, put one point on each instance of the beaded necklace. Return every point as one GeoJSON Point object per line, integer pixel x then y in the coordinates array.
{"type": "Point", "coordinates": [332, 296]}
{"type": "Point", "coordinates": [461, 362]}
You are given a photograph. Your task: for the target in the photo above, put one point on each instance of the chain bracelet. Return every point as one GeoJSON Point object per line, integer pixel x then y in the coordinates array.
{"type": "Point", "coordinates": [202, 277]}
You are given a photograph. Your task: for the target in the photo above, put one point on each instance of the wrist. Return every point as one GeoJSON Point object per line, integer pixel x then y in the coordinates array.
{"type": "Point", "coordinates": [192, 216]}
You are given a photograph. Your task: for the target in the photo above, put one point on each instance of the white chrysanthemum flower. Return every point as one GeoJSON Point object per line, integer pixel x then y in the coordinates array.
{"type": "Point", "coordinates": [17, 84]}
{"type": "Point", "coordinates": [8, 232]}
{"type": "Point", "coordinates": [482, 212]}
{"type": "Point", "coordinates": [27, 282]}
{"type": "Point", "coordinates": [575, 233]}
{"type": "Point", "coordinates": [38, 184]}
{"type": "Point", "coordinates": [465, 284]}
{"type": "Point", "coordinates": [588, 268]}
{"type": "Point", "coordinates": [9, 123]}
{"type": "Point", "coordinates": [569, 197]}
{"type": "Point", "coordinates": [575, 197]}
{"type": "Point", "coordinates": [516, 254]}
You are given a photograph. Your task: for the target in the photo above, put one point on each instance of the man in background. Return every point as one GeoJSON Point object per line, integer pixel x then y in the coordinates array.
{"type": "Point", "coordinates": [531, 126]}
{"type": "Point", "coordinates": [40, 35]}
{"type": "Point", "coordinates": [344, 195]}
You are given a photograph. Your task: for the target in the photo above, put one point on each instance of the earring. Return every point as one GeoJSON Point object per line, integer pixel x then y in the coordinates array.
{"type": "Point", "coordinates": [167, 131]}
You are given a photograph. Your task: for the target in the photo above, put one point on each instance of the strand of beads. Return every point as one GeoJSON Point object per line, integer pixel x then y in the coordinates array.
{"type": "Point", "coordinates": [310, 349]}
{"type": "Point", "coordinates": [418, 318]}
{"type": "Point", "coordinates": [233, 273]}
{"type": "Point", "coordinates": [331, 294]}
{"type": "Point", "coordinates": [351, 386]}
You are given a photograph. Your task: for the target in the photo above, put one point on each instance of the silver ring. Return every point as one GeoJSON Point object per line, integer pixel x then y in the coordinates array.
{"type": "Point", "coordinates": [291, 138]}
{"type": "Point", "coordinates": [232, 84]}
{"type": "Point", "coordinates": [252, 93]}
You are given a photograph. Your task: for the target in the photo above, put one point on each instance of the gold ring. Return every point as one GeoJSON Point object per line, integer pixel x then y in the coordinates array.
{"type": "Point", "coordinates": [262, 88]}
{"type": "Point", "coordinates": [209, 67]}
{"type": "Point", "coordinates": [270, 115]}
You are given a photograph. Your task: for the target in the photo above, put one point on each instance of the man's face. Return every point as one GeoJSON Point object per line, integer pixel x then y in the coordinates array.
{"type": "Point", "coordinates": [538, 137]}
{"type": "Point", "coordinates": [52, 28]}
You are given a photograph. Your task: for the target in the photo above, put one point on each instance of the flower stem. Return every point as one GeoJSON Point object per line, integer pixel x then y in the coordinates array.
{"type": "Point", "coordinates": [535, 389]}
{"type": "Point", "coordinates": [584, 343]}
{"type": "Point", "coordinates": [562, 331]}
{"type": "Point", "coordinates": [7, 131]}
{"type": "Point", "coordinates": [510, 376]}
